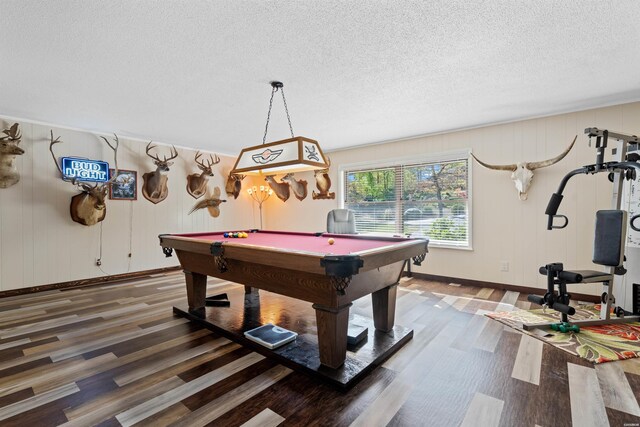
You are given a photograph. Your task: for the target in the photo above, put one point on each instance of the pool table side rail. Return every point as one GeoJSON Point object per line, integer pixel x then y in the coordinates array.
{"type": "Point", "coordinates": [304, 260]}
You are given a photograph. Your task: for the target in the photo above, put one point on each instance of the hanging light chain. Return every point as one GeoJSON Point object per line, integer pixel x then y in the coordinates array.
{"type": "Point", "coordinates": [266, 128]}
{"type": "Point", "coordinates": [287, 111]}
{"type": "Point", "coordinates": [274, 89]}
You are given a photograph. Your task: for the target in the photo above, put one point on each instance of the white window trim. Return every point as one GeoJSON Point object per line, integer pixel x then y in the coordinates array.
{"type": "Point", "coordinates": [424, 158]}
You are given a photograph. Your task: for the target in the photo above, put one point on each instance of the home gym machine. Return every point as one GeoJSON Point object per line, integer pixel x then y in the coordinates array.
{"type": "Point", "coordinates": [609, 241]}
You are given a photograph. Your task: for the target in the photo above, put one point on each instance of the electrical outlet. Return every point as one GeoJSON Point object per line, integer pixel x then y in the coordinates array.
{"type": "Point", "coordinates": [98, 262]}
{"type": "Point", "coordinates": [504, 266]}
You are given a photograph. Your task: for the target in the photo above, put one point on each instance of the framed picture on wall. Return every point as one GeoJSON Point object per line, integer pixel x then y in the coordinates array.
{"type": "Point", "coordinates": [125, 187]}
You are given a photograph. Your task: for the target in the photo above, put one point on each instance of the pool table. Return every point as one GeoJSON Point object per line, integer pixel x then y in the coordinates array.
{"type": "Point", "coordinates": [304, 266]}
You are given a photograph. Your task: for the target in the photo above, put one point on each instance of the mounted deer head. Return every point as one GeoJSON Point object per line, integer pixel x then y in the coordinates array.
{"type": "Point", "coordinates": [522, 172]}
{"type": "Point", "coordinates": [234, 185]}
{"type": "Point", "coordinates": [9, 149]}
{"type": "Point", "coordinates": [323, 183]}
{"type": "Point", "coordinates": [299, 187]}
{"type": "Point", "coordinates": [197, 183]}
{"type": "Point", "coordinates": [88, 207]}
{"type": "Point", "coordinates": [154, 187]}
{"type": "Point", "coordinates": [280, 188]}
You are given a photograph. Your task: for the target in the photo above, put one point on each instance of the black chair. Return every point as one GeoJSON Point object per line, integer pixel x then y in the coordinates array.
{"type": "Point", "coordinates": [608, 250]}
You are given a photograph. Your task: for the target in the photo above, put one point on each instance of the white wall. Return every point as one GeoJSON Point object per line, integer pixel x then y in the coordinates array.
{"type": "Point", "coordinates": [504, 228]}
{"type": "Point", "coordinates": [40, 244]}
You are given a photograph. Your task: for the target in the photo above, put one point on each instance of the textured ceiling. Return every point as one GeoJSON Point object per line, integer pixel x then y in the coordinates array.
{"type": "Point", "coordinates": [196, 73]}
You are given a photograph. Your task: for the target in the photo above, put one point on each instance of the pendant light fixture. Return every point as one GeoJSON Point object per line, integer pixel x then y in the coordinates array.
{"type": "Point", "coordinates": [295, 154]}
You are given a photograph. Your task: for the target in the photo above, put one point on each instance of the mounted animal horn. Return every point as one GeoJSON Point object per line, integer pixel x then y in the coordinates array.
{"type": "Point", "coordinates": [197, 182]}
{"type": "Point", "coordinates": [154, 188]}
{"type": "Point", "coordinates": [88, 207]}
{"type": "Point", "coordinates": [299, 187]}
{"type": "Point", "coordinates": [9, 149]}
{"type": "Point", "coordinates": [280, 188]}
{"type": "Point", "coordinates": [234, 184]}
{"type": "Point", "coordinates": [323, 183]}
{"type": "Point", "coordinates": [522, 172]}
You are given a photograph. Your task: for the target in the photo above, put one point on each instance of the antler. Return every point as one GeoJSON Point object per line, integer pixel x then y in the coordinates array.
{"type": "Point", "coordinates": [210, 162]}
{"type": "Point", "coordinates": [115, 156]}
{"type": "Point", "coordinates": [174, 154]}
{"type": "Point", "coordinates": [545, 163]}
{"type": "Point", "coordinates": [55, 160]}
{"type": "Point", "coordinates": [151, 147]}
{"type": "Point", "coordinates": [13, 134]}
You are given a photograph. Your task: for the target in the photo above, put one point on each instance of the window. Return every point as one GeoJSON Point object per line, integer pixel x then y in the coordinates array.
{"type": "Point", "coordinates": [427, 198]}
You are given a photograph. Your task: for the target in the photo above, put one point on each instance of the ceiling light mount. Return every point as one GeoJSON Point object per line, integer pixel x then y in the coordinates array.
{"type": "Point", "coordinates": [295, 154]}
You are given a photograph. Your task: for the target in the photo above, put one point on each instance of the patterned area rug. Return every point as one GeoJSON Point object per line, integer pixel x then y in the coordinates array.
{"type": "Point", "coordinates": [598, 344]}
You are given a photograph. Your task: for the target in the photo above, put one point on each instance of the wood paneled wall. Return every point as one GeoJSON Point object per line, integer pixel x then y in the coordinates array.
{"type": "Point", "coordinates": [40, 244]}
{"type": "Point", "coordinates": [504, 228]}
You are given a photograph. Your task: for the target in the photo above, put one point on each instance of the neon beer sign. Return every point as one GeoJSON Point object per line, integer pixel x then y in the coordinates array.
{"type": "Point", "coordinates": [85, 169]}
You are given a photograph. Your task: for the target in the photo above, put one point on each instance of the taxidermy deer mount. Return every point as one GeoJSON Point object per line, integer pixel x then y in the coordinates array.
{"type": "Point", "coordinates": [9, 149]}
{"type": "Point", "coordinates": [323, 183]}
{"type": "Point", "coordinates": [298, 187]}
{"type": "Point", "coordinates": [234, 185]}
{"type": "Point", "coordinates": [280, 188]}
{"type": "Point", "coordinates": [211, 202]}
{"type": "Point", "coordinates": [154, 187]}
{"type": "Point", "coordinates": [88, 207]}
{"type": "Point", "coordinates": [522, 172]}
{"type": "Point", "coordinates": [197, 183]}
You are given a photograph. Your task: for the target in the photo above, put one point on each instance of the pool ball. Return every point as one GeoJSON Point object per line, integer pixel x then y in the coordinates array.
{"type": "Point", "coordinates": [226, 234]}
{"type": "Point", "coordinates": [331, 241]}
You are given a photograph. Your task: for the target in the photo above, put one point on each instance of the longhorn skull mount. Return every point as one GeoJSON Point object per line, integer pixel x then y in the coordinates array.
{"type": "Point", "coordinates": [9, 149]}
{"type": "Point", "coordinates": [522, 172]}
{"type": "Point", "coordinates": [197, 182]}
{"type": "Point", "coordinates": [89, 208]}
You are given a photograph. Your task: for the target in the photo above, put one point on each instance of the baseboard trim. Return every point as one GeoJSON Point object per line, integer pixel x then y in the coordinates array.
{"type": "Point", "coordinates": [503, 286]}
{"type": "Point", "coordinates": [87, 282]}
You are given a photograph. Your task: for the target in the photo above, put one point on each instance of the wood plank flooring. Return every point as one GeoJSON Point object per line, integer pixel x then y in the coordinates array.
{"type": "Point", "coordinates": [113, 355]}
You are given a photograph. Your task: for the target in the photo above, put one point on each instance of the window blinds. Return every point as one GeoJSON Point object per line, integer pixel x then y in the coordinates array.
{"type": "Point", "coordinates": [428, 198]}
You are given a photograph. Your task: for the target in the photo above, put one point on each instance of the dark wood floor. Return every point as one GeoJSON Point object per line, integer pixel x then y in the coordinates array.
{"type": "Point", "coordinates": [116, 355]}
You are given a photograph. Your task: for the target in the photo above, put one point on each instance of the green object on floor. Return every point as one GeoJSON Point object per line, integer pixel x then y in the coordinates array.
{"type": "Point", "coordinates": [565, 327]}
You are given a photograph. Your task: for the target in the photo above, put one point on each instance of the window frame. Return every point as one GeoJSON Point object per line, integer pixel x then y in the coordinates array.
{"type": "Point", "coordinates": [445, 156]}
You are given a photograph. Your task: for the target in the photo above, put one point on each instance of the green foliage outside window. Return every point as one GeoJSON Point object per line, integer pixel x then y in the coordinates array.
{"type": "Point", "coordinates": [424, 198]}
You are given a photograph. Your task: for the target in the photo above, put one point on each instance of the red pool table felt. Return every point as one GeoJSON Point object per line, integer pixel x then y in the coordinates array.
{"type": "Point", "coordinates": [307, 242]}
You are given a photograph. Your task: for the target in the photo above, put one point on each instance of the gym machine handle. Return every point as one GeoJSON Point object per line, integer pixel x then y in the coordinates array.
{"type": "Point", "coordinates": [556, 199]}
{"type": "Point", "coordinates": [631, 223]}
{"type": "Point", "coordinates": [551, 226]}
{"type": "Point", "coordinates": [567, 276]}
{"type": "Point", "coordinates": [563, 308]}
{"type": "Point", "coordinates": [536, 299]}
{"type": "Point", "coordinates": [570, 276]}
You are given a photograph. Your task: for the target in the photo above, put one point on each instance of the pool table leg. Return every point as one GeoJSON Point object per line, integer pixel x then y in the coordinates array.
{"type": "Point", "coordinates": [333, 323]}
{"type": "Point", "coordinates": [384, 307]}
{"type": "Point", "coordinates": [196, 290]}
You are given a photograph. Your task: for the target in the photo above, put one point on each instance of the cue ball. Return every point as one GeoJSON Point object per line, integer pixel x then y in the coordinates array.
{"type": "Point", "coordinates": [331, 241]}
